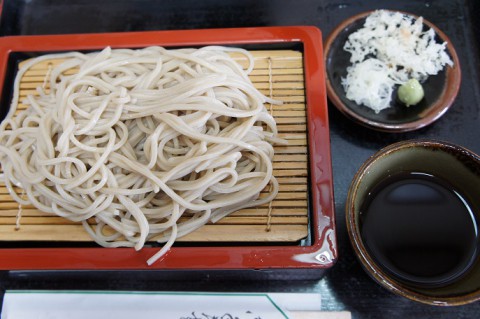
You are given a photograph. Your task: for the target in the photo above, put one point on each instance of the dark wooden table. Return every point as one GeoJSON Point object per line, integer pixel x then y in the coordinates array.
{"type": "Point", "coordinates": [346, 286]}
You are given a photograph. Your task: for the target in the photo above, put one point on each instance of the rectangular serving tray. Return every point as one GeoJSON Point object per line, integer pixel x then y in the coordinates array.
{"type": "Point", "coordinates": [314, 256]}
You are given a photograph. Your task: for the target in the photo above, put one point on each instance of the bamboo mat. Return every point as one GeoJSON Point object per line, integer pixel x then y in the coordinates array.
{"type": "Point", "coordinates": [277, 74]}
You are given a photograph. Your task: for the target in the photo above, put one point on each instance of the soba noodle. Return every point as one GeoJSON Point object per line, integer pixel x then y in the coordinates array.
{"type": "Point", "coordinates": [149, 142]}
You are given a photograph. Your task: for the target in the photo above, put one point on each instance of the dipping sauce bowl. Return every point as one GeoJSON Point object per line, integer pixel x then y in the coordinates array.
{"type": "Point", "coordinates": [413, 217]}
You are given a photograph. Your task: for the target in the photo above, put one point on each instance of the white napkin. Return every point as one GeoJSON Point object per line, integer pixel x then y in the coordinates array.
{"type": "Point", "coordinates": [19, 304]}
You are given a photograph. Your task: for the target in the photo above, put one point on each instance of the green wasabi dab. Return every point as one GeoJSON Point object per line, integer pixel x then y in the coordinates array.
{"type": "Point", "coordinates": [410, 92]}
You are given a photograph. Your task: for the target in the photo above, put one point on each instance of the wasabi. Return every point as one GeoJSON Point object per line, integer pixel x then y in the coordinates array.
{"type": "Point", "coordinates": [410, 92]}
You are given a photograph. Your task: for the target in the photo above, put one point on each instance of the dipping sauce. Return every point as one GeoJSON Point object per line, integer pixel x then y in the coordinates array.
{"type": "Point", "coordinates": [419, 229]}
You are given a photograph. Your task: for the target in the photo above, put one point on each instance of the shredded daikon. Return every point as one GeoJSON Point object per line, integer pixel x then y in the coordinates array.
{"type": "Point", "coordinates": [376, 85]}
{"type": "Point", "coordinates": [398, 49]}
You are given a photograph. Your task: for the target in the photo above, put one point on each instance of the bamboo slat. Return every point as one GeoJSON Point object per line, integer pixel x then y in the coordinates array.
{"type": "Point", "coordinates": [278, 74]}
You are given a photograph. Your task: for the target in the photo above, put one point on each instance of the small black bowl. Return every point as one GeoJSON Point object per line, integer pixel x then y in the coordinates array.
{"type": "Point", "coordinates": [440, 90]}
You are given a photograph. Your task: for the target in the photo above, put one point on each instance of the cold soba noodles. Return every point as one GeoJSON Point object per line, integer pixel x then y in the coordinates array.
{"type": "Point", "coordinates": [137, 139]}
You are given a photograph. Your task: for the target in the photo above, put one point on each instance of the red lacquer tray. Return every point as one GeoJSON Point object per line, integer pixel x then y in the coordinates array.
{"type": "Point", "coordinates": [321, 251]}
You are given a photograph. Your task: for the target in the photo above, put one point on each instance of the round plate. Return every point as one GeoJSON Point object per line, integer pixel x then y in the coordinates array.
{"type": "Point", "coordinates": [440, 90]}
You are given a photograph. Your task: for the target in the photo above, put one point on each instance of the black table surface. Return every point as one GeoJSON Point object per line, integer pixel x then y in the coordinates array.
{"type": "Point", "coordinates": [346, 287]}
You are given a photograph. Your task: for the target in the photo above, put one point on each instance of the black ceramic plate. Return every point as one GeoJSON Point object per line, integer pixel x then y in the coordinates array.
{"type": "Point", "coordinates": [440, 90]}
